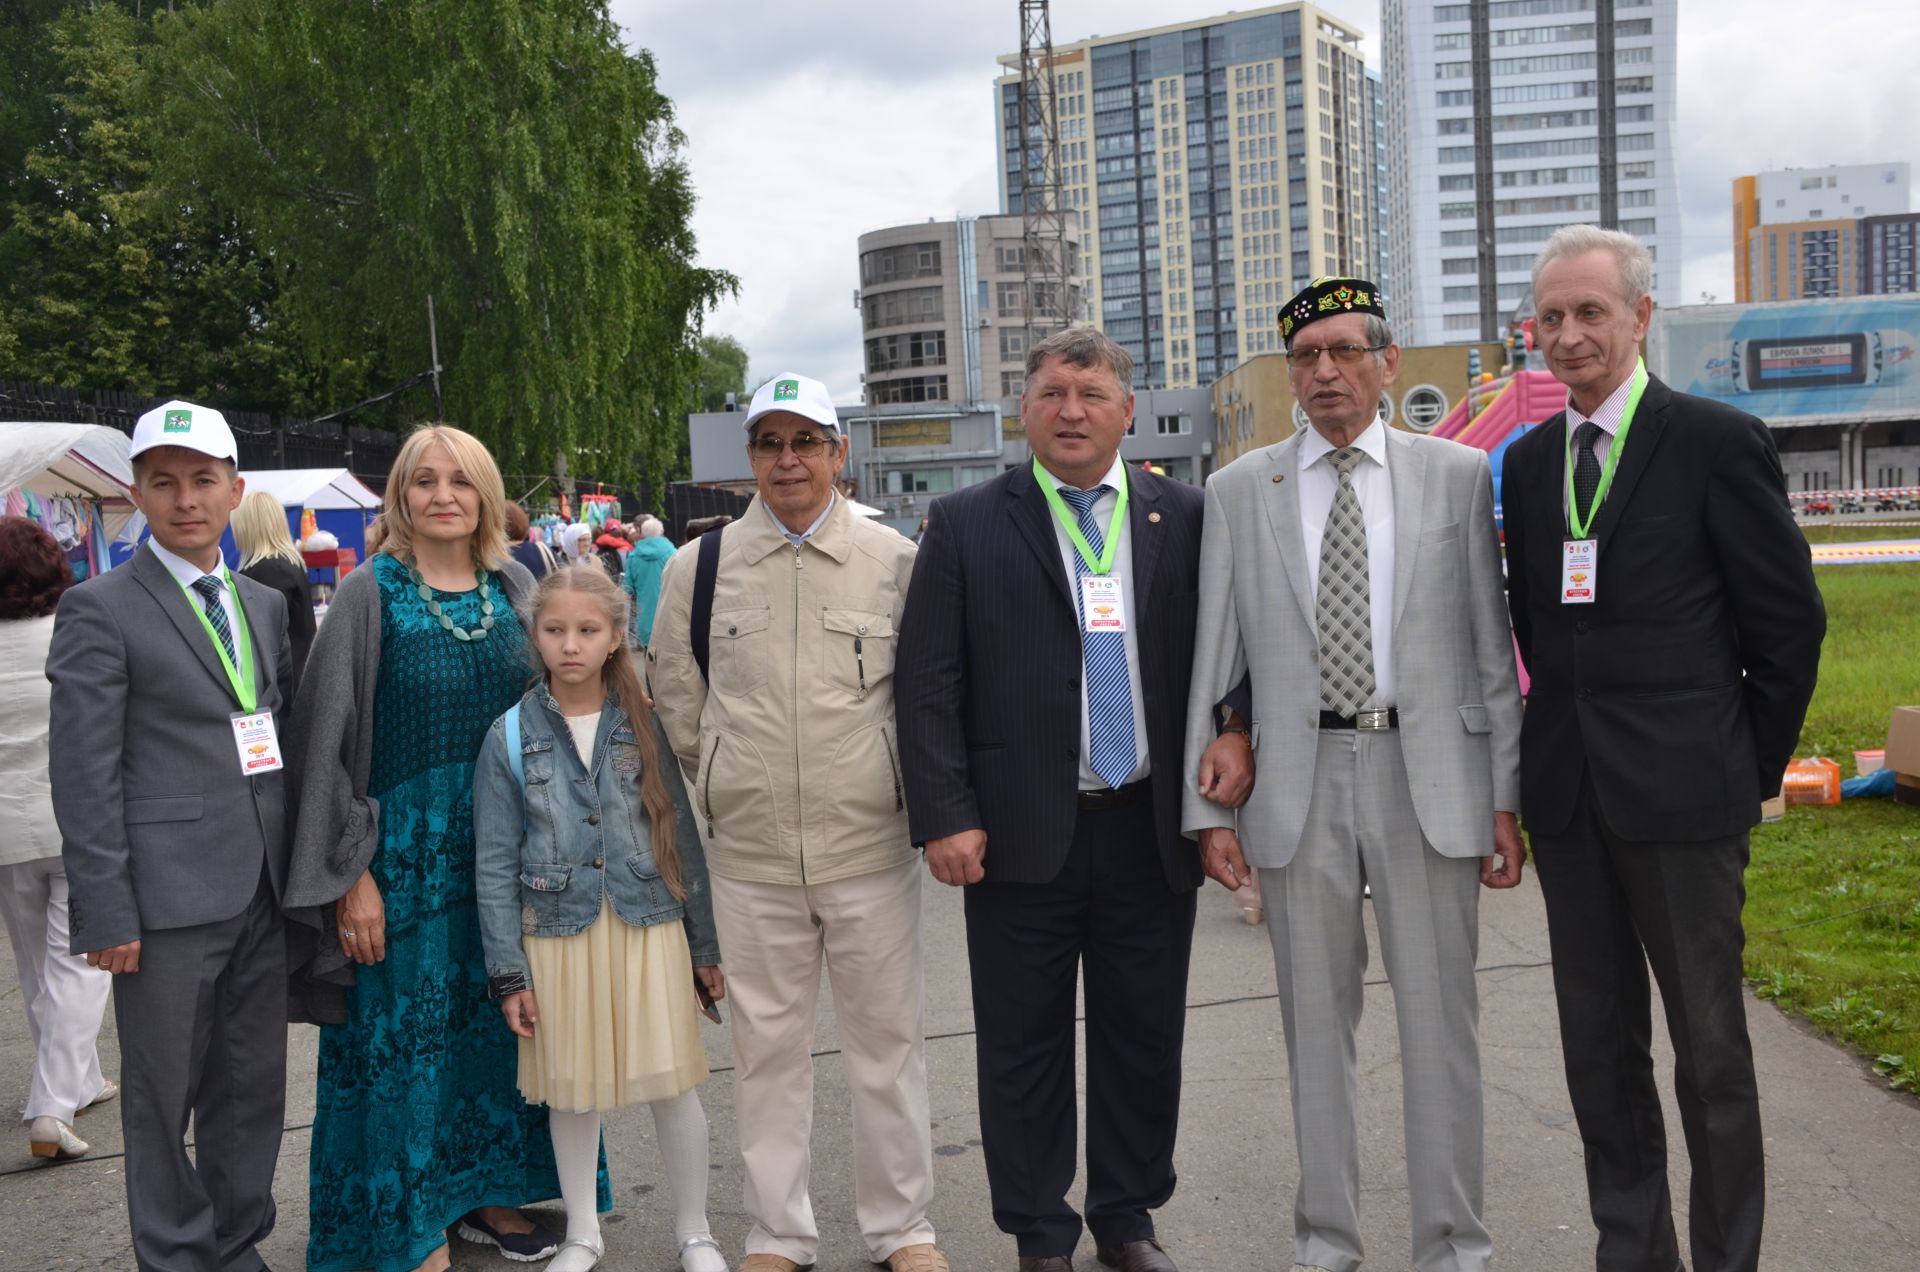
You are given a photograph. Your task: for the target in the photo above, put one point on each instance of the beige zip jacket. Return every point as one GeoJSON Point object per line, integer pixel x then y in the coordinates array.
{"type": "Point", "coordinates": [789, 753]}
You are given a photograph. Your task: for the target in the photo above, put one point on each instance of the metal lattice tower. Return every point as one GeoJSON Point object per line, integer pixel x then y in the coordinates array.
{"type": "Point", "coordinates": [1043, 220]}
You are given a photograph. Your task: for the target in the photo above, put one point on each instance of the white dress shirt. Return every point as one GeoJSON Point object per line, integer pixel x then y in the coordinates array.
{"type": "Point", "coordinates": [1122, 570]}
{"type": "Point", "coordinates": [1609, 415]}
{"type": "Point", "coordinates": [186, 571]}
{"type": "Point", "coordinates": [1373, 485]}
{"type": "Point", "coordinates": [797, 539]}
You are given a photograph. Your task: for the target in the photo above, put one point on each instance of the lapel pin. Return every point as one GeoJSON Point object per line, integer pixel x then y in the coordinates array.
{"type": "Point", "coordinates": [1278, 478]}
{"type": "Point", "coordinates": [1154, 517]}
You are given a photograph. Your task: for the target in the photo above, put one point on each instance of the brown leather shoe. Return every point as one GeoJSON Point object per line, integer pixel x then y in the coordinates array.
{"type": "Point", "coordinates": [772, 1263]}
{"type": "Point", "coordinates": [1045, 1263]}
{"type": "Point", "coordinates": [1137, 1256]}
{"type": "Point", "coordinates": [917, 1258]}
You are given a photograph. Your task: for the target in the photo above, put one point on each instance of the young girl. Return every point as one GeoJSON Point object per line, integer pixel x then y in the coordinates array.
{"type": "Point", "coordinates": [588, 863]}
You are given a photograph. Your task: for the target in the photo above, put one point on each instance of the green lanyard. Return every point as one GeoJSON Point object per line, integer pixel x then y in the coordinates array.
{"type": "Point", "coordinates": [241, 678]}
{"type": "Point", "coordinates": [1103, 563]}
{"type": "Point", "coordinates": [1577, 522]}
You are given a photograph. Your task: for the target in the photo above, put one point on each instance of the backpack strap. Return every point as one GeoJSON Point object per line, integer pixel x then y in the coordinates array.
{"type": "Point", "coordinates": [511, 723]}
{"type": "Point", "coordinates": [700, 621]}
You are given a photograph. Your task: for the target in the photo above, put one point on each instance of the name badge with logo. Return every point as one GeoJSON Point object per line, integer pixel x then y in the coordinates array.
{"type": "Point", "coordinates": [258, 742]}
{"type": "Point", "coordinates": [1579, 571]}
{"type": "Point", "coordinates": [1103, 606]}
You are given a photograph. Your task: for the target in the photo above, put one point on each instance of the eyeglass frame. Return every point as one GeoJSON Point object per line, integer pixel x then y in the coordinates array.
{"type": "Point", "coordinates": [1355, 351]}
{"type": "Point", "coordinates": [829, 440]}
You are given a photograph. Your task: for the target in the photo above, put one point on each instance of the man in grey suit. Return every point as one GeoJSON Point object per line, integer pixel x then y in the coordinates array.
{"type": "Point", "coordinates": [1354, 570]}
{"type": "Point", "coordinates": [167, 785]}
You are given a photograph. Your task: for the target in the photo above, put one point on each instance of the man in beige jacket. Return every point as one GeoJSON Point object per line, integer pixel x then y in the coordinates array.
{"type": "Point", "coordinates": [786, 737]}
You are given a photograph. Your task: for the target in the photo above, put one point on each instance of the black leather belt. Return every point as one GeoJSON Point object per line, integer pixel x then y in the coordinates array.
{"type": "Point", "coordinates": [1366, 720]}
{"type": "Point", "coordinates": [1113, 797]}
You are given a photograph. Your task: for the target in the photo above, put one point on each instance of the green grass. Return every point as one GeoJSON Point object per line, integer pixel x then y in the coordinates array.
{"type": "Point", "coordinates": [1855, 532]}
{"type": "Point", "coordinates": [1870, 662]}
{"type": "Point", "coordinates": [1833, 894]}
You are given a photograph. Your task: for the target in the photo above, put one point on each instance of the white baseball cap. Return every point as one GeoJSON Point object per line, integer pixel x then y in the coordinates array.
{"type": "Point", "coordinates": [177, 423]}
{"type": "Point", "coordinates": [799, 394]}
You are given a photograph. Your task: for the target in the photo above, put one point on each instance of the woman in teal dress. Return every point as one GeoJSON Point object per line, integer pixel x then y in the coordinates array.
{"type": "Point", "coordinates": [418, 1125]}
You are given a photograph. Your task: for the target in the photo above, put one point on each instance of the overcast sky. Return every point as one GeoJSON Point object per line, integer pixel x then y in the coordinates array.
{"type": "Point", "coordinates": [809, 123]}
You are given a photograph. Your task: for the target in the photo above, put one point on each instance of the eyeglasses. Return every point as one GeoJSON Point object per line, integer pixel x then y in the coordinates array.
{"type": "Point", "coordinates": [803, 445]}
{"type": "Point", "coordinates": [1308, 356]}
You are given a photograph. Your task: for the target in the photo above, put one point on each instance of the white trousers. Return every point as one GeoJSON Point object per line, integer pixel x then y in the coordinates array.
{"type": "Point", "coordinates": [774, 938]}
{"type": "Point", "coordinates": [64, 998]}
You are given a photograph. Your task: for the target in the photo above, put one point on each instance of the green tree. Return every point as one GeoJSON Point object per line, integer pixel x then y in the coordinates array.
{"type": "Point", "coordinates": [509, 158]}
{"type": "Point", "coordinates": [107, 278]}
{"type": "Point", "coordinates": [723, 370]}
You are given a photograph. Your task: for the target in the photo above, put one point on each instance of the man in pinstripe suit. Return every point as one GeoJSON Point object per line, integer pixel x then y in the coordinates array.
{"type": "Point", "coordinates": [1043, 668]}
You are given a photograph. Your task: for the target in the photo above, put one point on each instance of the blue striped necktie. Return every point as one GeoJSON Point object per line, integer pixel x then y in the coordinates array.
{"type": "Point", "coordinates": [1112, 750]}
{"type": "Point", "coordinates": [209, 588]}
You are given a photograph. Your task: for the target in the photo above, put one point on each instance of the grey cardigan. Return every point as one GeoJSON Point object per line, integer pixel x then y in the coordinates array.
{"type": "Point", "coordinates": [336, 824]}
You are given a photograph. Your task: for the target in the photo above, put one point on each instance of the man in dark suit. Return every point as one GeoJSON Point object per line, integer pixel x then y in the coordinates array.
{"type": "Point", "coordinates": [1043, 667]}
{"type": "Point", "coordinates": [167, 785]}
{"type": "Point", "coordinates": [1665, 605]}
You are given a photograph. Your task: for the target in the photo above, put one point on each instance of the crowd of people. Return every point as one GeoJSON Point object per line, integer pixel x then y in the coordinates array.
{"type": "Point", "coordinates": [500, 824]}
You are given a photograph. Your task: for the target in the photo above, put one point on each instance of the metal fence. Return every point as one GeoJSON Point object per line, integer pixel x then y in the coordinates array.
{"type": "Point", "coordinates": [265, 441]}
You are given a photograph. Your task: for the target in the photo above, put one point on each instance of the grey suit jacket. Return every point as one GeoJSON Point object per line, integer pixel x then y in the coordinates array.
{"type": "Point", "coordinates": [1457, 688]}
{"type": "Point", "coordinates": [159, 827]}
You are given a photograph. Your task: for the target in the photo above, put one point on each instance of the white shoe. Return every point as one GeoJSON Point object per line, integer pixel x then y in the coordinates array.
{"type": "Point", "coordinates": [107, 1092]}
{"type": "Point", "coordinates": [50, 1137]}
{"type": "Point", "coordinates": [578, 1255]}
{"type": "Point", "coordinates": [701, 1254]}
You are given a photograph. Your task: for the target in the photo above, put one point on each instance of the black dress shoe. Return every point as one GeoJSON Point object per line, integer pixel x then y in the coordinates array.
{"type": "Point", "coordinates": [1137, 1256]}
{"type": "Point", "coordinates": [1046, 1263]}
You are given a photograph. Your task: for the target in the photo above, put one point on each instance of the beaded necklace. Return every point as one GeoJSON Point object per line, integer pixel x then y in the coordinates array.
{"type": "Point", "coordinates": [433, 607]}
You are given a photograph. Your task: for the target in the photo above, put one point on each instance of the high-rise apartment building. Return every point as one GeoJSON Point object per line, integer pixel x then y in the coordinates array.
{"type": "Point", "coordinates": [943, 309]}
{"type": "Point", "coordinates": [1215, 167]}
{"type": "Point", "coordinates": [1509, 119]}
{"type": "Point", "coordinates": [1803, 231]}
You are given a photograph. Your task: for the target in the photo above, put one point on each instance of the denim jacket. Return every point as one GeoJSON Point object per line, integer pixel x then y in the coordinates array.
{"type": "Point", "coordinates": [545, 860]}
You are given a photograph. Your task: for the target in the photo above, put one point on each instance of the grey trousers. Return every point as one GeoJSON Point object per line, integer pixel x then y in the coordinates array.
{"type": "Point", "coordinates": [1361, 830]}
{"type": "Point", "coordinates": [203, 1033]}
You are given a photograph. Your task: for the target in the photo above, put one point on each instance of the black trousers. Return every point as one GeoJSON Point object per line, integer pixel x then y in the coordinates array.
{"type": "Point", "coordinates": [1613, 909]}
{"type": "Point", "coordinates": [1110, 915]}
{"type": "Point", "coordinates": [203, 1034]}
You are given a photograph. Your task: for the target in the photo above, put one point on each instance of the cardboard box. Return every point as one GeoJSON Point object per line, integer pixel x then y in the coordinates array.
{"type": "Point", "coordinates": [1903, 754]}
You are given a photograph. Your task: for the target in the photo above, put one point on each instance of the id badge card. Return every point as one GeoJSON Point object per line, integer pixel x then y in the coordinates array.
{"type": "Point", "coordinates": [1103, 605]}
{"type": "Point", "coordinates": [1579, 571]}
{"type": "Point", "coordinates": [258, 742]}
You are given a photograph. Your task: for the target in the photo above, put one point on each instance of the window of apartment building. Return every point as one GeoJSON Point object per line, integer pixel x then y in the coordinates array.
{"type": "Point", "coordinates": [1013, 383]}
{"type": "Point", "coordinates": [1173, 425]}
{"type": "Point", "coordinates": [918, 388]}
{"type": "Point", "coordinates": [908, 260]}
{"type": "Point", "coordinates": [1013, 343]}
{"type": "Point", "coordinates": [919, 481]}
{"type": "Point", "coordinates": [896, 309]}
{"type": "Point", "coordinates": [907, 349]}
{"type": "Point", "coordinates": [1012, 302]}
{"type": "Point", "coordinates": [898, 433]}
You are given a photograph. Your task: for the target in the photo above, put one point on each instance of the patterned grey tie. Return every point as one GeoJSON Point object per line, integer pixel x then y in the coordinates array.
{"type": "Point", "coordinates": [1343, 608]}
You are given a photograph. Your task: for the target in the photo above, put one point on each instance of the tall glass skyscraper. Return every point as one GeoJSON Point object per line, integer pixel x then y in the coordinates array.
{"type": "Point", "coordinates": [1216, 166]}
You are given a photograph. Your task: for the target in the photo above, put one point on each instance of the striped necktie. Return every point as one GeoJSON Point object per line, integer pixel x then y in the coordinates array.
{"type": "Point", "coordinates": [1112, 750]}
{"type": "Point", "coordinates": [209, 588]}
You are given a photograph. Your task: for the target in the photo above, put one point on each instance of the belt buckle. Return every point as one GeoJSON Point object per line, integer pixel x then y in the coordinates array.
{"type": "Point", "coordinates": [1372, 720]}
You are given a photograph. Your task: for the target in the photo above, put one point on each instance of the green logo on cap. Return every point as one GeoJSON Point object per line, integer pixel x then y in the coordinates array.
{"type": "Point", "coordinates": [786, 391]}
{"type": "Point", "coordinates": [178, 422]}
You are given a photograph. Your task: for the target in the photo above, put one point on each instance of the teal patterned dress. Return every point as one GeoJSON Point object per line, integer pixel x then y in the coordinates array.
{"type": "Point", "coordinates": [417, 1118]}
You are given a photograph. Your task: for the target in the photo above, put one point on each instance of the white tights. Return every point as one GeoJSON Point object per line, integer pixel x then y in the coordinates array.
{"type": "Point", "coordinates": [680, 1124]}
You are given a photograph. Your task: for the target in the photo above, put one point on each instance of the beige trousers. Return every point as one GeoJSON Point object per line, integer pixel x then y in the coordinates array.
{"type": "Point", "coordinates": [774, 938]}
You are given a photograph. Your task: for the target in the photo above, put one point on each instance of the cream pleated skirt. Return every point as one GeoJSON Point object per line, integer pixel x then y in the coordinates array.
{"type": "Point", "coordinates": [618, 1021]}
